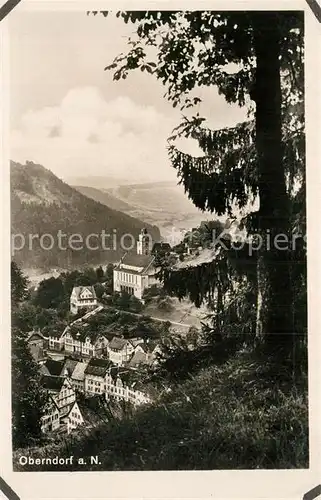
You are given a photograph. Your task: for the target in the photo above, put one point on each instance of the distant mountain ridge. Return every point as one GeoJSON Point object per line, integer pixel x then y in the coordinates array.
{"type": "Point", "coordinates": [157, 196]}
{"type": "Point", "coordinates": [165, 196]}
{"type": "Point", "coordinates": [96, 181]}
{"type": "Point", "coordinates": [104, 197]}
{"type": "Point", "coordinates": [162, 203]}
{"type": "Point", "coordinates": [42, 204]}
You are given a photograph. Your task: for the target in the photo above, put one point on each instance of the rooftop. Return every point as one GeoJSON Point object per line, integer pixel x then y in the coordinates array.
{"type": "Point", "coordinates": [135, 341]}
{"type": "Point", "coordinates": [126, 375]}
{"type": "Point", "coordinates": [161, 246]}
{"type": "Point", "coordinates": [133, 259]}
{"type": "Point", "coordinates": [70, 365]}
{"type": "Point", "coordinates": [139, 358]}
{"type": "Point", "coordinates": [52, 383]}
{"type": "Point", "coordinates": [37, 353]}
{"type": "Point", "coordinates": [117, 343]}
{"type": "Point", "coordinates": [55, 334]}
{"type": "Point", "coordinates": [53, 367]}
{"type": "Point", "coordinates": [79, 371]}
{"type": "Point", "coordinates": [150, 345]}
{"type": "Point", "coordinates": [97, 367]}
{"type": "Point", "coordinates": [34, 334]}
{"type": "Point", "coordinates": [78, 290]}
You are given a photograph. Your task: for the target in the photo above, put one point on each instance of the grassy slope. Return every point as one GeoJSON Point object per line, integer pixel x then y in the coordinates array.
{"type": "Point", "coordinates": [241, 415]}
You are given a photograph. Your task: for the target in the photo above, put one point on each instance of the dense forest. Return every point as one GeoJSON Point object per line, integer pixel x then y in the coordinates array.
{"type": "Point", "coordinates": [41, 204]}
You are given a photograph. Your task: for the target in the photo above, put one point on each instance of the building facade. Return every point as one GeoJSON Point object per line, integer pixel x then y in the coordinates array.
{"type": "Point", "coordinates": [73, 343]}
{"type": "Point", "coordinates": [50, 421]}
{"type": "Point", "coordinates": [122, 386]}
{"type": "Point", "coordinates": [95, 374]}
{"type": "Point", "coordinates": [71, 417]}
{"type": "Point", "coordinates": [83, 297]}
{"type": "Point", "coordinates": [120, 350]}
{"type": "Point", "coordinates": [136, 271]}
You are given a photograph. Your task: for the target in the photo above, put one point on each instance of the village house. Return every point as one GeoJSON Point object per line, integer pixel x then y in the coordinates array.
{"type": "Point", "coordinates": [75, 342]}
{"type": "Point", "coordinates": [50, 421]}
{"type": "Point", "coordinates": [35, 338]}
{"type": "Point", "coordinates": [77, 377]}
{"type": "Point", "coordinates": [140, 359]}
{"type": "Point", "coordinates": [161, 249]}
{"type": "Point", "coordinates": [145, 355]}
{"type": "Point", "coordinates": [83, 297]}
{"type": "Point", "coordinates": [137, 343]}
{"type": "Point", "coordinates": [55, 341]}
{"type": "Point", "coordinates": [152, 347]}
{"type": "Point", "coordinates": [120, 350]}
{"type": "Point", "coordinates": [52, 367]}
{"type": "Point", "coordinates": [71, 417]}
{"type": "Point", "coordinates": [95, 374]}
{"type": "Point", "coordinates": [101, 345]}
{"type": "Point", "coordinates": [136, 271]}
{"type": "Point", "coordinates": [60, 389]}
{"type": "Point", "coordinates": [124, 385]}
{"type": "Point", "coordinates": [63, 398]}
{"type": "Point", "coordinates": [38, 345]}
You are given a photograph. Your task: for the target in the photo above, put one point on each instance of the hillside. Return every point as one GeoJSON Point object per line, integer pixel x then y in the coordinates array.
{"type": "Point", "coordinates": [158, 196]}
{"type": "Point", "coordinates": [42, 204]}
{"type": "Point", "coordinates": [160, 203]}
{"type": "Point", "coordinates": [240, 415]}
{"type": "Point", "coordinates": [105, 198]}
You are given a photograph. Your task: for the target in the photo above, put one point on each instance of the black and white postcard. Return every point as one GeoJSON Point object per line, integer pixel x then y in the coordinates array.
{"type": "Point", "coordinates": [160, 196]}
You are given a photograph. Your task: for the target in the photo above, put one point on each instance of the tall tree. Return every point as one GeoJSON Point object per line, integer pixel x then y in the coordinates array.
{"type": "Point", "coordinates": [248, 56]}
{"type": "Point", "coordinates": [50, 293]}
{"type": "Point", "coordinates": [28, 398]}
{"type": "Point", "coordinates": [19, 284]}
{"type": "Point", "coordinates": [99, 273]}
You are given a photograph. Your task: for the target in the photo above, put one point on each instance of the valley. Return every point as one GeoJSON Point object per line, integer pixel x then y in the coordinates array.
{"type": "Point", "coordinates": [161, 203]}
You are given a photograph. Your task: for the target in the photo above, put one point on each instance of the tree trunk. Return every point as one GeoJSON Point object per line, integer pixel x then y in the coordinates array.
{"type": "Point", "coordinates": [274, 305]}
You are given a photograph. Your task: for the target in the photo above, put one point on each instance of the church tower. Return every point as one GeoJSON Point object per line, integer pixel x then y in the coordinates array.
{"type": "Point", "coordinates": [144, 243]}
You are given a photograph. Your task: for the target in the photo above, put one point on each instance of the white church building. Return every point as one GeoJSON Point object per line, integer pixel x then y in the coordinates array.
{"type": "Point", "coordinates": [135, 272]}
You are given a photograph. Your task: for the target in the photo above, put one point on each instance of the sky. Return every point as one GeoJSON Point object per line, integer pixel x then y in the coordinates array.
{"type": "Point", "coordinates": [68, 114]}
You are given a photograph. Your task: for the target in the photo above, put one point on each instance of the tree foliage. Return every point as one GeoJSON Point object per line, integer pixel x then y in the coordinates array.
{"type": "Point", "coordinates": [254, 59]}
{"type": "Point", "coordinates": [28, 397]}
{"type": "Point", "coordinates": [50, 293]}
{"type": "Point", "coordinates": [19, 284]}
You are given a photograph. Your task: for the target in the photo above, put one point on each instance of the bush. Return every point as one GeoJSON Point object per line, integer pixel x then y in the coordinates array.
{"type": "Point", "coordinates": [135, 305]}
{"type": "Point", "coordinates": [153, 292]}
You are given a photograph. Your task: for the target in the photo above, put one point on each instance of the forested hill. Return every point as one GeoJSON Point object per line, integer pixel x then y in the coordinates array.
{"type": "Point", "coordinates": [42, 204]}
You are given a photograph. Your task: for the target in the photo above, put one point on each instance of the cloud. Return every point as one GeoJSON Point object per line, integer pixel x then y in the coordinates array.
{"type": "Point", "coordinates": [87, 134]}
